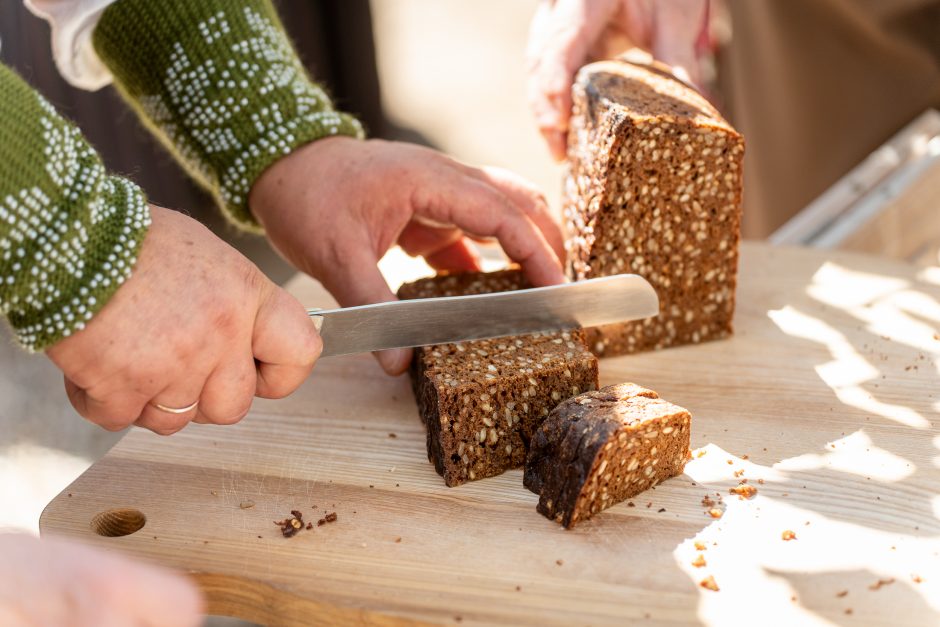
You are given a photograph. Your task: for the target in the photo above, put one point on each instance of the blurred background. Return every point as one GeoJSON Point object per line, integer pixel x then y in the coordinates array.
{"type": "Point", "coordinates": [836, 99]}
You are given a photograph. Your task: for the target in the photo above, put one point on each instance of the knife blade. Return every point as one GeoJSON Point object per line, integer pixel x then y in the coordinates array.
{"type": "Point", "coordinates": [425, 321]}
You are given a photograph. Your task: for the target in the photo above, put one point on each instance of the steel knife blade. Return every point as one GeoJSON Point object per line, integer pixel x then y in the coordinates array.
{"type": "Point", "coordinates": [421, 322]}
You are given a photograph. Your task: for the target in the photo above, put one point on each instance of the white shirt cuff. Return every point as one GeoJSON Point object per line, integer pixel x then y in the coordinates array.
{"type": "Point", "coordinates": [73, 22]}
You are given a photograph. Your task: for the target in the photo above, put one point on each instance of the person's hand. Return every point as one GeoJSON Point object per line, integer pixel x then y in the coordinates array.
{"type": "Point", "coordinates": [336, 205]}
{"type": "Point", "coordinates": [196, 321]}
{"type": "Point", "coordinates": [566, 34]}
{"type": "Point", "coordinates": [57, 582]}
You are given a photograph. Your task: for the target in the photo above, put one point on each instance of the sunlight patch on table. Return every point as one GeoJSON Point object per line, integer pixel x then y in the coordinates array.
{"type": "Point", "coordinates": [745, 552]}
{"type": "Point", "coordinates": [892, 310]}
{"type": "Point", "coordinates": [930, 275]}
{"type": "Point", "coordinates": [855, 454]}
{"type": "Point", "coordinates": [848, 370]}
{"type": "Point", "coordinates": [842, 288]}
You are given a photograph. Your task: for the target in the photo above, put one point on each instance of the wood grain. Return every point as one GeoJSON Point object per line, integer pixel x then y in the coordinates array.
{"type": "Point", "coordinates": [828, 393]}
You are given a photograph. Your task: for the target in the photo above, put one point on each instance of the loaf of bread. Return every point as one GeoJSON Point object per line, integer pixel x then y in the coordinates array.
{"type": "Point", "coordinates": [653, 187]}
{"type": "Point", "coordinates": [482, 400]}
{"type": "Point", "coordinates": [599, 448]}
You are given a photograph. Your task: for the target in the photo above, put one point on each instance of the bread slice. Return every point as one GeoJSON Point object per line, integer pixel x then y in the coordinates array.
{"type": "Point", "coordinates": [481, 401]}
{"type": "Point", "coordinates": [599, 448]}
{"type": "Point", "coordinates": [653, 187]}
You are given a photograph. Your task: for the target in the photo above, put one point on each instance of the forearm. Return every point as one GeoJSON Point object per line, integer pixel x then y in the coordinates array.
{"type": "Point", "coordinates": [69, 232]}
{"type": "Point", "coordinates": [220, 84]}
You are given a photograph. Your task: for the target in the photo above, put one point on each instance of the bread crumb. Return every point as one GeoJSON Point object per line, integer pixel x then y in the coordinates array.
{"type": "Point", "coordinates": [788, 535]}
{"type": "Point", "coordinates": [744, 491]}
{"type": "Point", "coordinates": [916, 578]}
{"type": "Point", "coordinates": [881, 582]}
{"type": "Point", "coordinates": [848, 610]}
{"type": "Point", "coordinates": [700, 546]}
{"type": "Point", "coordinates": [739, 472]}
{"type": "Point", "coordinates": [709, 583]}
{"type": "Point", "coordinates": [398, 540]}
{"type": "Point", "coordinates": [701, 453]}
{"type": "Point", "coordinates": [715, 512]}
{"type": "Point", "coordinates": [730, 462]}
{"type": "Point", "coordinates": [559, 562]}
{"type": "Point", "coordinates": [290, 526]}
{"type": "Point", "coordinates": [246, 504]}
{"type": "Point", "coordinates": [699, 561]}
{"type": "Point", "coordinates": [393, 435]}
{"type": "Point", "coordinates": [842, 593]}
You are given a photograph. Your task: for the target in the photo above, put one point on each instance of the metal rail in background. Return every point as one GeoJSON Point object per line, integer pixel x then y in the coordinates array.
{"type": "Point", "coordinates": [870, 188]}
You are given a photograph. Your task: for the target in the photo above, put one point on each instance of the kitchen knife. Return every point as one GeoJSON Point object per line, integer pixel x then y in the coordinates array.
{"type": "Point", "coordinates": [420, 322]}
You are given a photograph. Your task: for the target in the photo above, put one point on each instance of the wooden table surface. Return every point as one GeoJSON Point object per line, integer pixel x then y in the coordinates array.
{"type": "Point", "coordinates": [826, 400]}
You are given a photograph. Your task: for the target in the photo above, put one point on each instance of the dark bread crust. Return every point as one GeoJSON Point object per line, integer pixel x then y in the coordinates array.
{"type": "Point", "coordinates": [654, 188]}
{"type": "Point", "coordinates": [482, 400]}
{"type": "Point", "coordinates": [602, 447]}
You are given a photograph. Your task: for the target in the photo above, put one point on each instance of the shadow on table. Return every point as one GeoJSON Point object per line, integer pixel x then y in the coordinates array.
{"type": "Point", "coordinates": [854, 595]}
{"type": "Point", "coordinates": [869, 337]}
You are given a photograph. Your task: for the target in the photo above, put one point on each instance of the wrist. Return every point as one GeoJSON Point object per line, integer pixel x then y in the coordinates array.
{"type": "Point", "coordinates": [315, 163]}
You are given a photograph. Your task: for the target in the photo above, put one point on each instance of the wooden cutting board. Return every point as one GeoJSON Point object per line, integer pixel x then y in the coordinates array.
{"type": "Point", "coordinates": [826, 400]}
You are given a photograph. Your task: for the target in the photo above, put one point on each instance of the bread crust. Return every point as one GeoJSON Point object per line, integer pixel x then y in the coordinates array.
{"type": "Point", "coordinates": [602, 447]}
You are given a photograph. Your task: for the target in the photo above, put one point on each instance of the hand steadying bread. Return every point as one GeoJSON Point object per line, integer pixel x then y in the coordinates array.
{"type": "Point", "coordinates": [566, 34]}
{"type": "Point", "coordinates": [374, 194]}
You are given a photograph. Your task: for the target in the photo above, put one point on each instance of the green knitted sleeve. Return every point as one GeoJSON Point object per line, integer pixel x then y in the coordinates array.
{"type": "Point", "coordinates": [220, 84]}
{"type": "Point", "coordinates": [69, 233]}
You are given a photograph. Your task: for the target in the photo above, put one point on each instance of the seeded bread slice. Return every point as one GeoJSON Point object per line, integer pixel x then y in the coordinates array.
{"type": "Point", "coordinates": [653, 187]}
{"type": "Point", "coordinates": [599, 448]}
{"type": "Point", "coordinates": [481, 401]}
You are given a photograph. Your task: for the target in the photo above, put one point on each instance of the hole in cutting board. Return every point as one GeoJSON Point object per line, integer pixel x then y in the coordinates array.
{"type": "Point", "coordinates": [118, 522]}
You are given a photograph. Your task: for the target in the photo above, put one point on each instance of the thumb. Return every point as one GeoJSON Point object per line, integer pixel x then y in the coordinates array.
{"type": "Point", "coordinates": [679, 25]}
{"type": "Point", "coordinates": [559, 40]}
{"type": "Point", "coordinates": [284, 342]}
{"type": "Point", "coordinates": [359, 282]}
